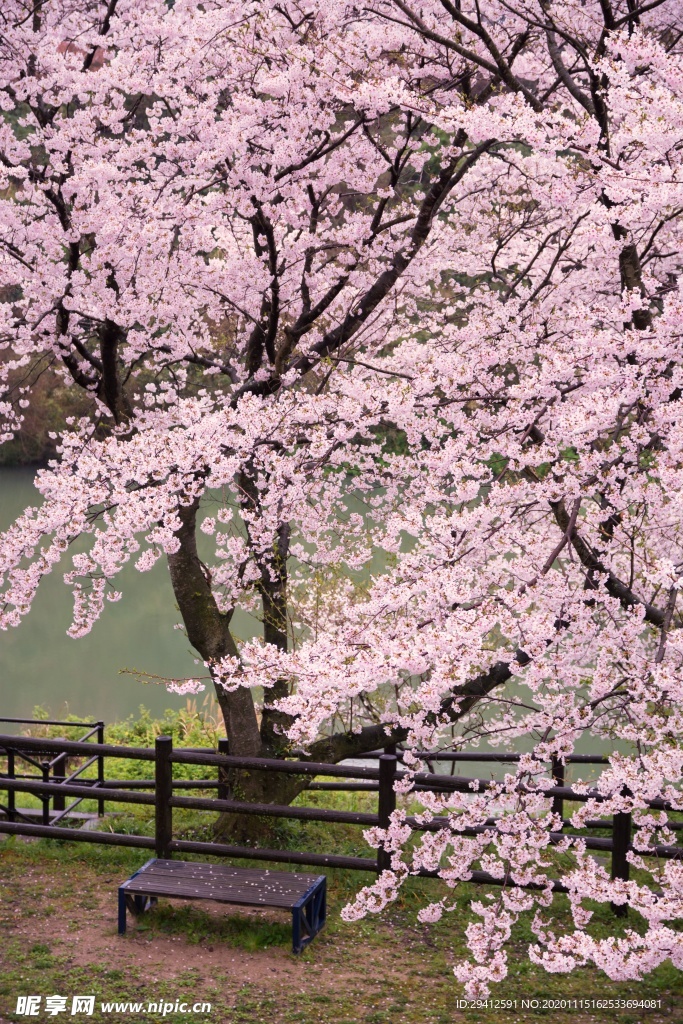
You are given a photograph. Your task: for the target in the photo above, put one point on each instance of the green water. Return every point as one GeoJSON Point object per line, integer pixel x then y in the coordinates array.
{"type": "Point", "coordinates": [41, 665]}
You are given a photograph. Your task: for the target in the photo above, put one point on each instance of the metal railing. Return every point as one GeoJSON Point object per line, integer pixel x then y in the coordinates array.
{"type": "Point", "coordinates": [55, 767]}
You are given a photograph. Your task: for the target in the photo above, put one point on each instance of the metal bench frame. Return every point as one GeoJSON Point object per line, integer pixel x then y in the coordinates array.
{"type": "Point", "coordinates": [309, 910]}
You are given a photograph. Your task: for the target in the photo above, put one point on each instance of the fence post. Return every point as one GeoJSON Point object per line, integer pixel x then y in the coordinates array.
{"type": "Point", "coordinates": [45, 798]}
{"type": "Point", "coordinates": [58, 775]}
{"type": "Point", "coordinates": [557, 768]}
{"type": "Point", "coordinates": [223, 789]}
{"type": "Point", "coordinates": [163, 791]}
{"type": "Point", "coordinates": [387, 803]}
{"type": "Point", "coordinates": [100, 769]}
{"type": "Point", "coordinates": [621, 840]}
{"type": "Point", "coordinates": [11, 804]}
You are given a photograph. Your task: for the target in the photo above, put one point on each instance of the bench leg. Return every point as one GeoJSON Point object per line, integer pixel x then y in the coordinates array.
{"type": "Point", "coordinates": [122, 911]}
{"type": "Point", "coordinates": [296, 930]}
{"type": "Point", "coordinates": [308, 917]}
{"type": "Point", "coordinates": [137, 904]}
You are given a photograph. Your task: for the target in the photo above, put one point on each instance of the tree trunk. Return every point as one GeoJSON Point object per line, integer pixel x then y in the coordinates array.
{"type": "Point", "coordinates": [274, 597]}
{"type": "Point", "coordinates": [208, 630]}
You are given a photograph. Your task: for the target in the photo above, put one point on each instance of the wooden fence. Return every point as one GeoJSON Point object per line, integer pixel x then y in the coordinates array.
{"type": "Point", "coordinates": [53, 755]}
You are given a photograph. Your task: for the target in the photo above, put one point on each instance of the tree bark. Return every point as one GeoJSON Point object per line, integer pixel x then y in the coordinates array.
{"type": "Point", "coordinates": [208, 630]}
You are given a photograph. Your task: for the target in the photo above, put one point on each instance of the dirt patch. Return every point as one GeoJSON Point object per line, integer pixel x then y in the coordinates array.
{"type": "Point", "coordinates": [68, 913]}
{"type": "Point", "coordinates": [97, 940]}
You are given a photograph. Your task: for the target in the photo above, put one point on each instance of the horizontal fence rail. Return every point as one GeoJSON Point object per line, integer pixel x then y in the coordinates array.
{"type": "Point", "coordinates": [273, 764]}
{"type": "Point", "coordinates": [329, 860]}
{"type": "Point", "coordinates": [74, 747]}
{"type": "Point", "coordinates": [275, 810]}
{"type": "Point", "coordinates": [378, 779]}
{"type": "Point", "coordinates": [207, 784]}
{"type": "Point", "coordinates": [429, 780]}
{"type": "Point", "coordinates": [484, 756]}
{"type": "Point", "coordinates": [121, 796]}
{"type": "Point", "coordinates": [52, 721]}
{"type": "Point", "coordinates": [19, 828]}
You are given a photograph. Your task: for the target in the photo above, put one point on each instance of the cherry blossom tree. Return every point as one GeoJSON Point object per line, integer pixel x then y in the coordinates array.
{"type": "Point", "coordinates": [418, 260]}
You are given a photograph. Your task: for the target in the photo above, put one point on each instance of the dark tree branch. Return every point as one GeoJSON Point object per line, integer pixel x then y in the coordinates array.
{"type": "Point", "coordinates": [503, 67]}
{"type": "Point", "coordinates": [110, 389]}
{"type": "Point", "coordinates": [319, 152]}
{"type": "Point", "coordinates": [565, 76]}
{"type": "Point", "coordinates": [104, 28]}
{"type": "Point", "coordinates": [614, 586]}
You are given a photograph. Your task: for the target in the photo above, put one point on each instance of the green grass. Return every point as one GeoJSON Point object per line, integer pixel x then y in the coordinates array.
{"type": "Point", "coordinates": [196, 926]}
{"type": "Point", "coordinates": [386, 968]}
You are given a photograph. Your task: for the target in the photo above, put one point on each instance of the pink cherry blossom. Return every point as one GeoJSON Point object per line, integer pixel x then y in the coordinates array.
{"type": "Point", "coordinates": [383, 302]}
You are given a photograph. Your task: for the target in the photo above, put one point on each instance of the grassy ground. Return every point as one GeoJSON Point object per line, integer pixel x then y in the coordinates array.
{"type": "Point", "coordinates": [58, 928]}
{"type": "Point", "coordinates": [59, 937]}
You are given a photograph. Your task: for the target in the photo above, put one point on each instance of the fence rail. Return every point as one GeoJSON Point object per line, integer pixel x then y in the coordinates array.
{"type": "Point", "coordinates": [484, 756]}
{"type": "Point", "coordinates": [380, 779]}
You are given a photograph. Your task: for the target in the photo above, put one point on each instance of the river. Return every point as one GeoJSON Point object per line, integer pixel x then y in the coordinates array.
{"type": "Point", "coordinates": [41, 665]}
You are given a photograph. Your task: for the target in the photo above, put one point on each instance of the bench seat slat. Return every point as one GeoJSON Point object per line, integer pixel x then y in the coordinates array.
{"type": "Point", "coordinates": [185, 869]}
{"type": "Point", "coordinates": [220, 896]}
{"type": "Point", "coordinates": [213, 883]}
{"type": "Point", "coordinates": [232, 894]}
{"type": "Point", "coordinates": [270, 882]}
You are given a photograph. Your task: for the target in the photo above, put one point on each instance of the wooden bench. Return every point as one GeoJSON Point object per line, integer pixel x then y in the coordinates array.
{"type": "Point", "coordinates": [304, 895]}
